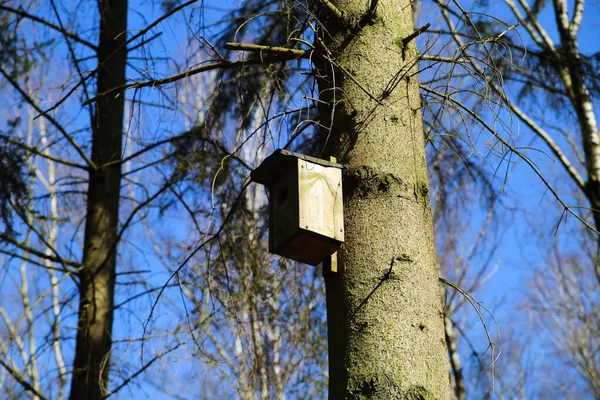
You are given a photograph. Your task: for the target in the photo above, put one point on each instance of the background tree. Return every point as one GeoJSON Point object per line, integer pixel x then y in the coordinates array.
{"type": "Point", "coordinates": [547, 87]}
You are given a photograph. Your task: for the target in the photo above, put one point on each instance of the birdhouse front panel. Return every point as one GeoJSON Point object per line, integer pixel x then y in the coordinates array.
{"type": "Point", "coordinates": [320, 200]}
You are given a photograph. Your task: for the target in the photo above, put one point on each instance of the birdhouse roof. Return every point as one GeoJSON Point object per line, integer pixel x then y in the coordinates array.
{"type": "Point", "coordinates": [280, 162]}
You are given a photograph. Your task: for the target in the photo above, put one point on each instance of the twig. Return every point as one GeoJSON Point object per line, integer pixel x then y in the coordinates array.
{"type": "Point", "coordinates": [72, 53]}
{"type": "Point", "coordinates": [41, 154]}
{"type": "Point", "coordinates": [54, 122]}
{"type": "Point", "coordinates": [134, 37]}
{"type": "Point", "coordinates": [265, 49]}
{"type": "Point", "coordinates": [477, 306]}
{"type": "Point", "coordinates": [187, 74]}
{"type": "Point", "coordinates": [73, 36]}
{"type": "Point", "coordinates": [145, 367]}
{"type": "Point", "coordinates": [19, 378]}
{"type": "Point", "coordinates": [416, 33]}
{"type": "Point", "coordinates": [192, 254]}
{"type": "Point", "coordinates": [336, 11]}
{"type": "Point", "coordinates": [38, 253]}
{"type": "Point", "coordinates": [443, 59]}
{"type": "Point", "coordinates": [297, 53]}
{"type": "Point", "coordinates": [144, 42]}
{"type": "Point", "coordinates": [531, 164]}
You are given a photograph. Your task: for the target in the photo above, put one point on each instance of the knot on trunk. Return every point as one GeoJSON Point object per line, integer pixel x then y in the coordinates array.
{"type": "Point", "coordinates": [367, 182]}
{"type": "Point", "coordinates": [418, 393]}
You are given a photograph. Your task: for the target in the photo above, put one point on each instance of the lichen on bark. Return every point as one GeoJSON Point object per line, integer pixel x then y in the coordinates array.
{"type": "Point", "coordinates": [386, 336]}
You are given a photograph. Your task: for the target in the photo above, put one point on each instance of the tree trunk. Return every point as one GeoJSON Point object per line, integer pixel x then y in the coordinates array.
{"type": "Point", "coordinates": [385, 316]}
{"type": "Point", "coordinates": [457, 377]}
{"type": "Point", "coordinates": [97, 279]}
{"type": "Point", "coordinates": [579, 94]}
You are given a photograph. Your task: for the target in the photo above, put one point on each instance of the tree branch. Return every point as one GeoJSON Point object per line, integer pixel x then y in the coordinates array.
{"type": "Point", "coordinates": [19, 378]}
{"type": "Point", "coordinates": [54, 122]}
{"type": "Point", "coordinates": [71, 35]}
{"type": "Point", "coordinates": [145, 367]}
{"type": "Point", "coordinates": [191, 72]}
{"type": "Point", "coordinates": [334, 10]}
{"type": "Point", "coordinates": [265, 49]}
{"type": "Point", "coordinates": [41, 153]}
{"type": "Point", "coordinates": [534, 168]}
{"type": "Point", "coordinates": [134, 37]}
{"type": "Point", "coordinates": [37, 253]}
{"type": "Point", "coordinates": [577, 17]}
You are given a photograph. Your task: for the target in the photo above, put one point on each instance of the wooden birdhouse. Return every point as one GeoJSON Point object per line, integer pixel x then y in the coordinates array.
{"type": "Point", "coordinates": [306, 221]}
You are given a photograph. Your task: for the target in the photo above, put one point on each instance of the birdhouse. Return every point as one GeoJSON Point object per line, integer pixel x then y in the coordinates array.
{"type": "Point", "coordinates": [306, 221]}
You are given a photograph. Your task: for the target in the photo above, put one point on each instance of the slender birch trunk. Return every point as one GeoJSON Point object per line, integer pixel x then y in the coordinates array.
{"type": "Point", "coordinates": [579, 95]}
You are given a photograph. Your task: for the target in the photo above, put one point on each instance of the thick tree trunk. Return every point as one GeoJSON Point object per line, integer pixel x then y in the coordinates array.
{"type": "Point", "coordinates": [97, 279]}
{"type": "Point", "coordinates": [385, 317]}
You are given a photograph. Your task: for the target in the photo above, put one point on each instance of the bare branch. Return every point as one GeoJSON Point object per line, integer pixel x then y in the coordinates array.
{"type": "Point", "coordinates": [191, 72]}
{"type": "Point", "coordinates": [137, 373]}
{"type": "Point", "coordinates": [265, 49]}
{"type": "Point", "coordinates": [133, 38]}
{"type": "Point", "coordinates": [66, 33]}
{"type": "Point", "coordinates": [566, 163]}
{"type": "Point", "coordinates": [41, 153]}
{"type": "Point", "coordinates": [534, 168]}
{"type": "Point", "coordinates": [54, 122]}
{"type": "Point", "coordinates": [335, 11]}
{"type": "Point", "coordinates": [577, 17]}
{"type": "Point", "coordinates": [37, 253]}
{"type": "Point", "coordinates": [22, 381]}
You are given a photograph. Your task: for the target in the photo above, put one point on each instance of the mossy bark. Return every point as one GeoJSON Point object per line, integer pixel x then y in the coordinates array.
{"type": "Point", "coordinates": [385, 318]}
{"type": "Point", "coordinates": [97, 278]}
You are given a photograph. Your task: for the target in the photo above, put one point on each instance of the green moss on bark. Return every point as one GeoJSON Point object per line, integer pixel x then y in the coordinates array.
{"type": "Point", "coordinates": [367, 182]}
{"type": "Point", "coordinates": [418, 393]}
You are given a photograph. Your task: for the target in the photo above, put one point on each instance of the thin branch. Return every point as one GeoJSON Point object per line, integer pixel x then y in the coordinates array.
{"type": "Point", "coordinates": [134, 37]}
{"type": "Point", "coordinates": [416, 33]}
{"type": "Point", "coordinates": [144, 42]}
{"type": "Point", "coordinates": [336, 11]}
{"type": "Point", "coordinates": [193, 253]}
{"type": "Point", "coordinates": [182, 136]}
{"type": "Point", "coordinates": [37, 253]}
{"type": "Point", "coordinates": [31, 261]}
{"type": "Point", "coordinates": [265, 49]}
{"type": "Point", "coordinates": [41, 153]}
{"type": "Point", "coordinates": [54, 122]}
{"type": "Point", "coordinates": [71, 35]}
{"type": "Point", "coordinates": [72, 53]}
{"type": "Point", "coordinates": [137, 373]}
{"type": "Point", "coordinates": [452, 60]}
{"type": "Point", "coordinates": [571, 170]}
{"type": "Point", "coordinates": [191, 72]}
{"type": "Point", "coordinates": [476, 117]}
{"type": "Point", "coordinates": [477, 306]}
{"type": "Point", "coordinates": [19, 378]}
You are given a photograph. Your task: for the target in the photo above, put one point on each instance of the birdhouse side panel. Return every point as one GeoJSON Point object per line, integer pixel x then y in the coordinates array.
{"type": "Point", "coordinates": [320, 200]}
{"type": "Point", "coordinates": [283, 210]}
